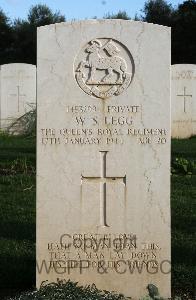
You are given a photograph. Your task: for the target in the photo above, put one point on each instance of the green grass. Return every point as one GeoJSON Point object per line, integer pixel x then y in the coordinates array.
{"type": "Point", "coordinates": [17, 216]}
{"type": "Point", "coordinates": [183, 216]}
{"type": "Point", "coordinates": [184, 148]}
{"type": "Point", "coordinates": [183, 208]}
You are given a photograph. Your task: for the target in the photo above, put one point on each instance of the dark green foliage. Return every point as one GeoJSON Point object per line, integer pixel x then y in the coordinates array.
{"type": "Point", "coordinates": [182, 20]}
{"type": "Point", "coordinates": [183, 33]}
{"type": "Point", "coordinates": [24, 42]}
{"type": "Point", "coordinates": [120, 15]}
{"type": "Point", "coordinates": [21, 36]}
{"type": "Point", "coordinates": [18, 39]}
{"type": "Point", "coordinates": [26, 31]}
{"type": "Point", "coordinates": [6, 38]}
{"type": "Point", "coordinates": [158, 12]}
{"type": "Point", "coordinates": [69, 290]}
{"type": "Point", "coordinates": [40, 15]}
{"type": "Point", "coordinates": [4, 30]}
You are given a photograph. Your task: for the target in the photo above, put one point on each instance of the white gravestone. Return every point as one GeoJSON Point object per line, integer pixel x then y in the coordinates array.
{"type": "Point", "coordinates": [18, 92]}
{"type": "Point", "coordinates": [103, 155]}
{"type": "Point", "coordinates": [183, 100]}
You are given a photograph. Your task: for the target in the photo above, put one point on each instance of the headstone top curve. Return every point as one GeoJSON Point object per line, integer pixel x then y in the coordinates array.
{"type": "Point", "coordinates": [102, 21]}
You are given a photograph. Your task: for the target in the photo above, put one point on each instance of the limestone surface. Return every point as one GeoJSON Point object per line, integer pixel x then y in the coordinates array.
{"type": "Point", "coordinates": [17, 92]}
{"type": "Point", "coordinates": [183, 100]}
{"type": "Point", "coordinates": [103, 155]}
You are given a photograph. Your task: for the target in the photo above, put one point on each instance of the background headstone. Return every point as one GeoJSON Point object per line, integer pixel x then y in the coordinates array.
{"type": "Point", "coordinates": [183, 100]}
{"type": "Point", "coordinates": [103, 155]}
{"type": "Point", "coordinates": [17, 92]}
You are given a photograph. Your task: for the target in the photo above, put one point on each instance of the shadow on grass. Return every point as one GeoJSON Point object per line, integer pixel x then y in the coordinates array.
{"type": "Point", "coordinates": [16, 274]}
{"type": "Point", "coordinates": [18, 230]}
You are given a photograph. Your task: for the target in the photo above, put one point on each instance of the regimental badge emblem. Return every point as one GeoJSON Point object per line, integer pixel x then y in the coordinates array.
{"type": "Point", "coordinates": [103, 68]}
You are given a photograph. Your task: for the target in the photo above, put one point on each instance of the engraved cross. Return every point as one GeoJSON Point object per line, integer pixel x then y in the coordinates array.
{"type": "Point", "coordinates": [18, 95]}
{"type": "Point", "coordinates": [103, 180]}
{"type": "Point", "coordinates": [184, 95]}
